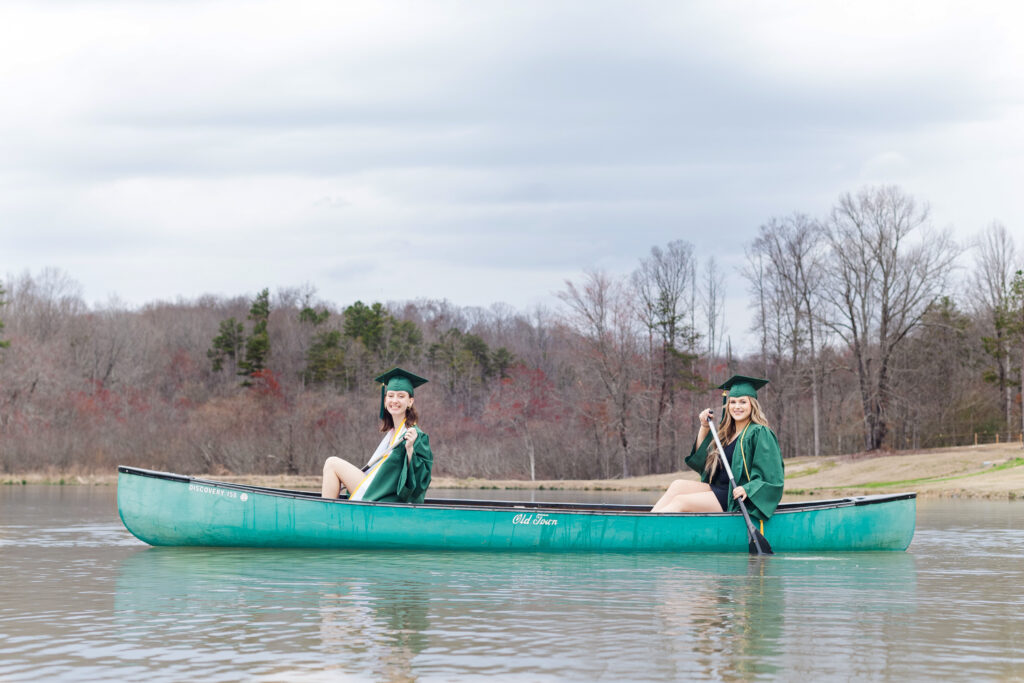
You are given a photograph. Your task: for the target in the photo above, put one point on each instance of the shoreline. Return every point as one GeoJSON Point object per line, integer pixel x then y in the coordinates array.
{"type": "Point", "coordinates": [989, 471]}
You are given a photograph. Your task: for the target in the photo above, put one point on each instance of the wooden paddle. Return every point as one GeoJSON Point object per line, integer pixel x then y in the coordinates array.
{"type": "Point", "coordinates": [758, 543]}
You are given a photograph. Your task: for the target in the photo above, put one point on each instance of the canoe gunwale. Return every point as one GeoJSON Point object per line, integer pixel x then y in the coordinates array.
{"type": "Point", "coordinates": [471, 504]}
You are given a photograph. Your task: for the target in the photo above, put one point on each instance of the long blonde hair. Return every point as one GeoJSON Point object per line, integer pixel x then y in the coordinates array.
{"type": "Point", "coordinates": [728, 429]}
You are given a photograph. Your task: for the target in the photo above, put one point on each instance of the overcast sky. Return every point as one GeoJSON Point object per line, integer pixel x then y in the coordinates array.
{"type": "Point", "coordinates": [480, 151]}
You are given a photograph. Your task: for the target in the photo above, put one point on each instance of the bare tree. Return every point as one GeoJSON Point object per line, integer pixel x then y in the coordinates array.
{"type": "Point", "coordinates": [935, 380]}
{"type": "Point", "coordinates": [880, 285]}
{"type": "Point", "coordinates": [756, 274]}
{"type": "Point", "coordinates": [793, 248]}
{"type": "Point", "coordinates": [41, 305]}
{"type": "Point", "coordinates": [600, 311]}
{"type": "Point", "coordinates": [3, 344]}
{"type": "Point", "coordinates": [712, 304]}
{"type": "Point", "coordinates": [989, 289]}
{"type": "Point", "coordinates": [661, 283]}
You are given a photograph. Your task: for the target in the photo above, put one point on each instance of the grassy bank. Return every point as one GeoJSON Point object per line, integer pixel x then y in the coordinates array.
{"type": "Point", "coordinates": [993, 471]}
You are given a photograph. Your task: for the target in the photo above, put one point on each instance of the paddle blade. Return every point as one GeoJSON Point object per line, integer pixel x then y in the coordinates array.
{"type": "Point", "coordinates": [759, 544]}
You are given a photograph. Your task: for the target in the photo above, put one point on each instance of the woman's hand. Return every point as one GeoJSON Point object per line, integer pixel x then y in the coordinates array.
{"type": "Point", "coordinates": [410, 440]}
{"type": "Point", "coordinates": [703, 418]}
{"type": "Point", "coordinates": [739, 494]}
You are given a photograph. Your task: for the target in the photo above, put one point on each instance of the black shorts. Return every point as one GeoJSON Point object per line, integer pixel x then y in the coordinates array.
{"type": "Point", "coordinates": [723, 497]}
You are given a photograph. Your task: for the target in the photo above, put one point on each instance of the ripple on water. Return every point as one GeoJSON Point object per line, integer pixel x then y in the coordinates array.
{"type": "Point", "coordinates": [82, 599]}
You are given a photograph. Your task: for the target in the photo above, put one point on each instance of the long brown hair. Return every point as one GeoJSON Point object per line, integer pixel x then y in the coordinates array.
{"type": "Point", "coordinates": [728, 429]}
{"type": "Point", "coordinates": [388, 423]}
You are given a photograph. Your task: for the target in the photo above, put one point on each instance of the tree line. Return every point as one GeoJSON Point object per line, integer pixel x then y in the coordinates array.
{"type": "Point", "coordinates": [876, 330]}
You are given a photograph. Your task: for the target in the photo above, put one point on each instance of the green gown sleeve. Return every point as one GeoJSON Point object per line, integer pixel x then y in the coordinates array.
{"type": "Point", "coordinates": [402, 479]}
{"type": "Point", "coordinates": [414, 476]}
{"type": "Point", "coordinates": [699, 455]}
{"type": "Point", "coordinates": [764, 464]}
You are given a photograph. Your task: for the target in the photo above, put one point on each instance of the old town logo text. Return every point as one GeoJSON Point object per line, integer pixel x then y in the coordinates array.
{"type": "Point", "coordinates": [539, 519]}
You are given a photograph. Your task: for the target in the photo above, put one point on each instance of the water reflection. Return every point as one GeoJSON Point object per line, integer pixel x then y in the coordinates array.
{"type": "Point", "coordinates": [742, 617]}
{"type": "Point", "coordinates": [403, 616]}
{"type": "Point", "coordinates": [81, 599]}
{"type": "Point", "coordinates": [724, 613]}
{"type": "Point", "coordinates": [386, 632]}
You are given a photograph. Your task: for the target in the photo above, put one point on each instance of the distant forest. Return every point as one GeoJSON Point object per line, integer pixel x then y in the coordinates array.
{"type": "Point", "coordinates": [876, 330]}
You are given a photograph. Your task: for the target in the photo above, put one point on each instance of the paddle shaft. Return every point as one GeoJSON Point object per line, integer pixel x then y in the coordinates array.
{"type": "Point", "coordinates": [392, 447]}
{"type": "Point", "coordinates": [743, 508]}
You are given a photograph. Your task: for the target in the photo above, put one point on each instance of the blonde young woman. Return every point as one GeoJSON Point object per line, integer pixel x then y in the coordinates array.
{"type": "Point", "coordinates": [399, 470]}
{"type": "Point", "coordinates": [753, 453]}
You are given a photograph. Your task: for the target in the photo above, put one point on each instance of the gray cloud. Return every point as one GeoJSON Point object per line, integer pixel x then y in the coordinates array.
{"type": "Point", "coordinates": [232, 146]}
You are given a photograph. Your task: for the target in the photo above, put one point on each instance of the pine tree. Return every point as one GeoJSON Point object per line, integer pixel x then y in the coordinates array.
{"type": "Point", "coordinates": [325, 360]}
{"type": "Point", "coordinates": [314, 317]}
{"type": "Point", "coordinates": [257, 345]}
{"type": "Point", "coordinates": [227, 344]}
{"type": "Point", "coordinates": [248, 355]}
{"type": "Point", "coordinates": [366, 323]}
{"type": "Point", "coordinates": [501, 360]}
{"type": "Point", "coordinates": [386, 340]}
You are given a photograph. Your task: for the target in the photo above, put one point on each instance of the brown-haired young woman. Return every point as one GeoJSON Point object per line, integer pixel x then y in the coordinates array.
{"type": "Point", "coordinates": [393, 473]}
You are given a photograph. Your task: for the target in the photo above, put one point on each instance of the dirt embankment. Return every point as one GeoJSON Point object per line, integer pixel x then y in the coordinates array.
{"type": "Point", "coordinates": [987, 471]}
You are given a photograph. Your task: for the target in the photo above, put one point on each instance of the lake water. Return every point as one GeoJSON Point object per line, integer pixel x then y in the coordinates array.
{"type": "Point", "coordinates": [81, 599]}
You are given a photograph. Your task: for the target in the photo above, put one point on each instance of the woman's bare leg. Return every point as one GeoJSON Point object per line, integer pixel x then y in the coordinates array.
{"type": "Point", "coordinates": [339, 473]}
{"type": "Point", "coordinates": [693, 502]}
{"type": "Point", "coordinates": [679, 487]}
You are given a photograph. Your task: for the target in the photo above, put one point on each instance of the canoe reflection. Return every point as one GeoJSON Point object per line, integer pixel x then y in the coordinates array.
{"type": "Point", "coordinates": [728, 614]}
{"type": "Point", "coordinates": [345, 613]}
{"type": "Point", "coordinates": [399, 616]}
{"type": "Point", "coordinates": [740, 616]}
{"type": "Point", "coordinates": [385, 633]}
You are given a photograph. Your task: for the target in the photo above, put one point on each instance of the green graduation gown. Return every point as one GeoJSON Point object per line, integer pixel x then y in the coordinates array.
{"type": "Point", "coordinates": [396, 479]}
{"type": "Point", "coordinates": [762, 476]}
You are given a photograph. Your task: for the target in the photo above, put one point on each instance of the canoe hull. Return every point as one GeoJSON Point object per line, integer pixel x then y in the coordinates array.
{"type": "Point", "coordinates": [172, 510]}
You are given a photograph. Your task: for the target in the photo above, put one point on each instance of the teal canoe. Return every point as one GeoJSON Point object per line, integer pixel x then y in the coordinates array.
{"type": "Point", "coordinates": [166, 509]}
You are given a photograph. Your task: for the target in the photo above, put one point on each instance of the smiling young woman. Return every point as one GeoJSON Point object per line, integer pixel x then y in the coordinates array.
{"type": "Point", "coordinates": [754, 456]}
{"type": "Point", "coordinates": [399, 470]}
